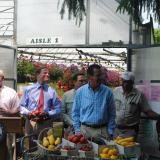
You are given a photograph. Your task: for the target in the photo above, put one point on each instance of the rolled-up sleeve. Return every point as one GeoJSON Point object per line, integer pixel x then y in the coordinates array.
{"type": "Point", "coordinates": [15, 104]}
{"type": "Point", "coordinates": [66, 116]}
{"type": "Point", "coordinates": [76, 114]}
{"type": "Point", "coordinates": [144, 104]}
{"type": "Point", "coordinates": [24, 103]}
{"type": "Point", "coordinates": [57, 106]}
{"type": "Point", "coordinates": [112, 115]}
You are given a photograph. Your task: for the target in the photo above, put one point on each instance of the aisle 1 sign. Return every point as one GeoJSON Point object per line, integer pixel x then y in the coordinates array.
{"type": "Point", "coordinates": [44, 40]}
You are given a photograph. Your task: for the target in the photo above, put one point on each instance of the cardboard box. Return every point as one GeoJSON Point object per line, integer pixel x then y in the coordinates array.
{"type": "Point", "coordinates": [58, 129]}
{"type": "Point", "coordinates": [69, 152]}
{"type": "Point", "coordinates": [65, 142]}
{"type": "Point", "coordinates": [96, 148]}
{"type": "Point", "coordinates": [133, 150]}
{"type": "Point", "coordinates": [84, 154]}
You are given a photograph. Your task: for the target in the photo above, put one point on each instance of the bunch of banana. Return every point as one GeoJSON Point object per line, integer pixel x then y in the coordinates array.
{"type": "Point", "coordinates": [126, 142]}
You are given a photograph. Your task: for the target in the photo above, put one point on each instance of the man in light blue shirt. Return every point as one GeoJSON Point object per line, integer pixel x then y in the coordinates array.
{"type": "Point", "coordinates": [39, 118]}
{"type": "Point", "coordinates": [93, 110]}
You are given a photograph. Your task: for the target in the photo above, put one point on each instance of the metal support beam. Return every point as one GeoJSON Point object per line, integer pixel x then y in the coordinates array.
{"type": "Point", "coordinates": [87, 34]}
{"type": "Point", "coordinates": [15, 24]}
{"type": "Point", "coordinates": [129, 60]}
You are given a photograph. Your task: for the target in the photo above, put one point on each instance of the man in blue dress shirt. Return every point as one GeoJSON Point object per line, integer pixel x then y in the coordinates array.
{"type": "Point", "coordinates": [39, 103]}
{"type": "Point", "coordinates": [93, 110]}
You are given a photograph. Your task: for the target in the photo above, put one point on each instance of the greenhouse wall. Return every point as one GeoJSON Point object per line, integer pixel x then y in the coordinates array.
{"type": "Point", "coordinates": [8, 65]}
{"type": "Point", "coordinates": [145, 65]}
{"type": "Point", "coordinates": [41, 19]}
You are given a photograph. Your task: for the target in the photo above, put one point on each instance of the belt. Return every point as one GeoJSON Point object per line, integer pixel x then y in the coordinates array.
{"type": "Point", "coordinates": [94, 125]}
{"type": "Point", "coordinates": [40, 120]}
{"type": "Point", "coordinates": [135, 127]}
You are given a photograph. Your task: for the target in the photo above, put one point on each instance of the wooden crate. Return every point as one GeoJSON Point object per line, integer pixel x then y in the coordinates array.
{"type": "Point", "coordinates": [12, 124]}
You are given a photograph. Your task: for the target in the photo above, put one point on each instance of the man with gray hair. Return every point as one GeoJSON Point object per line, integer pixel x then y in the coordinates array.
{"type": "Point", "coordinates": [9, 101]}
{"type": "Point", "coordinates": [130, 102]}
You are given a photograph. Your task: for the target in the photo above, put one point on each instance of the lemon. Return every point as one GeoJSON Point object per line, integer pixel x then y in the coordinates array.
{"type": "Point", "coordinates": [51, 139]}
{"type": "Point", "coordinates": [113, 157]}
{"type": "Point", "coordinates": [105, 150]}
{"type": "Point", "coordinates": [51, 147]}
{"type": "Point", "coordinates": [45, 143]}
{"type": "Point", "coordinates": [102, 155]}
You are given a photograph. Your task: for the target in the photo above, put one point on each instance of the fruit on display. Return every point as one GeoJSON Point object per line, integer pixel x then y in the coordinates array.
{"type": "Point", "coordinates": [57, 141]}
{"type": "Point", "coordinates": [49, 132]}
{"type": "Point", "coordinates": [45, 142]}
{"type": "Point", "coordinates": [86, 148]}
{"type": "Point", "coordinates": [36, 113]}
{"type": "Point", "coordinates": [68, 148]}
{"type": "Point", "coordinates": [110, 153]}
{"type": "Point", "coordinates": [77, 139]}
{"type": "Point", "coordinates": [51, 147]}
{"type": "Point", "coordinates": [50, 142]}
{"type": "Point", "coordinates": [126, 142]}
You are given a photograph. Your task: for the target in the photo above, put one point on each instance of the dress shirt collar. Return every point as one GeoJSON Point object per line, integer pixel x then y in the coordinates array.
{"type": "Point", "coordinates": [2, 86]}
{"type": "Point", "coordinates": [45, 86]}
{"type": "Point", "coordinates": [133, 91]}
{"type": "Point", "coordinates": [98, 89]}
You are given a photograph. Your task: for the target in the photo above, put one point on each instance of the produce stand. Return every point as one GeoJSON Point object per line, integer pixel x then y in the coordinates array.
{"type": "Point", "coordinates": [36, 156]}
{"type": "Point", "coordinates": [39, 152]}
{"type": "Point", "coordinates": [12, 125]}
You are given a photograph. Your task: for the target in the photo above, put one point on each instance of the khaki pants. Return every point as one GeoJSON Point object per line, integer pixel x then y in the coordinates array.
{"type": "Point", "coordinates": [10, 141]}
{"type": "Point", "coordinates": [94, 132]}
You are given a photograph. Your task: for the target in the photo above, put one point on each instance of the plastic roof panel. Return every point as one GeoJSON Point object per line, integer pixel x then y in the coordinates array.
{"type": "Point", "coordinates": [39, 18]}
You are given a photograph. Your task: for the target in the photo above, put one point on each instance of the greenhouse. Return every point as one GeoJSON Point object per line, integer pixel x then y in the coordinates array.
{"type": "Point", "coordinates": [79, 79]}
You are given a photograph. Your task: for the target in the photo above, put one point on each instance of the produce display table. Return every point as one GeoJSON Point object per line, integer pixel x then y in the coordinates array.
{"type": "Point", "coordinates": [12, 125]}
{"type": "Point", "coordinates": [37, 156]}
{"type": "Point", "coordinates": [36, 153]}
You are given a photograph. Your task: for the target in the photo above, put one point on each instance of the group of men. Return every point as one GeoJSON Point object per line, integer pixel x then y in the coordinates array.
{"type": "Point", "coordinates": [91, 107]}
{"type": "Point", "coordinates": [96, 110]}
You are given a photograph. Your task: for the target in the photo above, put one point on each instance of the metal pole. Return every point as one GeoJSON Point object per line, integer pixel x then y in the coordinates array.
{"type": "Point", "coordinates": [87, 33]}
{"type": "Point", "coordinates": [130, 30]}
{"type": "Point", "coordinates": [129, 60]}
{"type": "Point", "coordinates": [129, 51]}
{"type": "Point", "coordinates": [15, 24]}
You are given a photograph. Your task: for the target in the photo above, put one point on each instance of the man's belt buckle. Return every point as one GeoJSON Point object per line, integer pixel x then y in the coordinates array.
{"type": "Point", "coordinates": [94, 125]}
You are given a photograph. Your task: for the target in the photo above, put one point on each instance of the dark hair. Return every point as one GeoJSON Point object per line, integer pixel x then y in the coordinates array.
{"type": "Point", "coordinates": [75, 76]}
{"type": "Point", "coordinates": [38, 70]}
{"type": "Point", "coordinates": [90, 70]}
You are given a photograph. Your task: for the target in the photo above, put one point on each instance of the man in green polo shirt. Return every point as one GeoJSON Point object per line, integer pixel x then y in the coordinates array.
{"type": "Point", "coordinates": [130, 102]}
{"type": "Point", "coordinates": [68, 98]}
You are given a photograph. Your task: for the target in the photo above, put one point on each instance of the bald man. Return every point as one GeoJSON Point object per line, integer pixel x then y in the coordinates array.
{"type": "Point", "coordinates": [9, 107]}
{"type": "Point", "coordinates": [9, 101]}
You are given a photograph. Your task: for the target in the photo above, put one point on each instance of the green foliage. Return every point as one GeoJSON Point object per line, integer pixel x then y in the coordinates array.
{"type": "Point", "coordinates": [55, 74]}
{"type": "Point", "coordinates": [135, 8]}
{"type": "Point", "coordinates": [157, 36]}
{"type": "Point", "coordinates": [25, 70]}
{"type": "Point", "coordinates": [76, 9]}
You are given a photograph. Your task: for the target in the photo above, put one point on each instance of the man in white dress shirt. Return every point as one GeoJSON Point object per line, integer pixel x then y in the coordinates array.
{"type": "Point", "coordinates": [9, 107]}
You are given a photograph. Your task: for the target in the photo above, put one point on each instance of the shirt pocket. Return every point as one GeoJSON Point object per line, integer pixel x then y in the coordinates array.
{"type": "Point", "coordinates": [132, 107]}
{"type": "Point", "coordinates": [118, 104]}
{"type": "Point", "coordinates": [33, 102]}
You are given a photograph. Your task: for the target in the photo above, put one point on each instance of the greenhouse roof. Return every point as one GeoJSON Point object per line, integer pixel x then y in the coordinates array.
{"type": "Point", "coordinates": [108, 57]}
